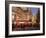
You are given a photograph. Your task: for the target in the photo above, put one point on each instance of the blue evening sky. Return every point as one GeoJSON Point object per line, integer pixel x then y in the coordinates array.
{"type": "Point", "coordinates": [34, 11]}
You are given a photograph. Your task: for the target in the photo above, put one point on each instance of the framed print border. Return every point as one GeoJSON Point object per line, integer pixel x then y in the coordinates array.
{"type": "Point", "coordinates": [7, 17]}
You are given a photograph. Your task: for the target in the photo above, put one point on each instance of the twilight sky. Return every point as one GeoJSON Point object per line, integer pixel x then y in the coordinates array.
{"type": "Point", "coordinates": [34, 11]}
